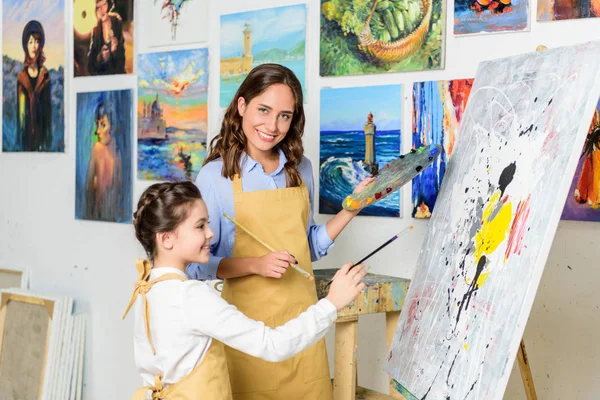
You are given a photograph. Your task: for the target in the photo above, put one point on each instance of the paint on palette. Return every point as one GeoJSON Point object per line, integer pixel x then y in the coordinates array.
{"type": "Point", "coordinates": [583, 201]}
{"type": "Point", "coordinates": [103, 184]}
{"type": "Point", "coordinates": [488, 16]}
{"type": "Point", "coordinates": [172, 114]}
{"type": "Point", "coordinates": [438, 108]}
{"type": "Point", "coordinates": [553, 10]}
{"type": "Point", "coordinates": [496, 216]}
{"type": "Point", "coordinates": [33, 54]}
{"type": "Point", "coordinates": [393, 177]}
{"type": "Point", "coordinates": [360, 135]}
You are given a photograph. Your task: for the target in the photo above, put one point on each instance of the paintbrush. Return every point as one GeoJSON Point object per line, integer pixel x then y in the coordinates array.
{"type": "Point", "coordinates": [259, 240]}
{"type": "Point", "coordinates": [396, 236]}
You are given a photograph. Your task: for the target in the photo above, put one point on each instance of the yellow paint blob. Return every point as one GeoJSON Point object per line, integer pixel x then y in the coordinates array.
{"type": "Point", "coordinates": [466, 346]}
{"type": "Point", "coordinates": [493, 232]}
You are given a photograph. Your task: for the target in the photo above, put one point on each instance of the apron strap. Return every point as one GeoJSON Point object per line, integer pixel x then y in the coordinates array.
{"type": "Point", "coordinates": [157, 390]}
{"type": "Point", "coordinates": [237, 185]}
{"type": "Point", "coordinates": [143, 286]}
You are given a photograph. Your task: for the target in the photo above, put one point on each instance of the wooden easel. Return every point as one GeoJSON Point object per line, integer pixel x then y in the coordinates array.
{"type": "Point", "coordinates": [526, 372]}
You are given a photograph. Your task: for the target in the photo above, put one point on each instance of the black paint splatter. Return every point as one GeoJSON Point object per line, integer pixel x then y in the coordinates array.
{"type": "Point", "coordinates": [464, 304]}
{"type": "Point", "coordinates": [507, 176]}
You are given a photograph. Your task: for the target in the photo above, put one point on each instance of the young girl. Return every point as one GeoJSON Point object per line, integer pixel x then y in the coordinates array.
{"type": "Point", "coordinates": [255, 171]}
{"type": "Point", "coordinates": [180, 324]}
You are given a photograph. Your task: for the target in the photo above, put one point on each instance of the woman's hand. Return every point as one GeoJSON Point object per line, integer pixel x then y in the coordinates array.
{"type": "Point", "coordinates": [346, 285]}
{"type": "Point", "coordinates": [362, 185]}
{"type": "Point", "coordinates": [274, 265]}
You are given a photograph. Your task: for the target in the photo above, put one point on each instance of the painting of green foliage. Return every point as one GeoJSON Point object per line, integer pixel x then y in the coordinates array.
{"type": "Point", "coordinates": [377, 36]}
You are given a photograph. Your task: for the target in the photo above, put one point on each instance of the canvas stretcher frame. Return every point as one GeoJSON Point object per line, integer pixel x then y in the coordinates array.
{"type": "Point", "coordinates": [5, 299]}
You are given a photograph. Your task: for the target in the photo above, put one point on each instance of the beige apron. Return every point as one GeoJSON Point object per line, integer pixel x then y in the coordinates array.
{"type": "Point", "coordinates": [208, 381]}
{"type": "Point", "coordinates": [280, 218]}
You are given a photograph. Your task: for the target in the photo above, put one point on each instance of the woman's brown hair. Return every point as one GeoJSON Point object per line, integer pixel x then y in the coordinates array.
{"type": "Point", "coordinates": [230, 143]}
{"type": "Point", "coordinates": [161, 208]}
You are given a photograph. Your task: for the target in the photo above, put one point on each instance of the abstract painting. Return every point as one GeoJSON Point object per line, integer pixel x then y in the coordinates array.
{"type": "Point", "coordinates": [103, 170]}
{"type": "Point", "coordinates": [494, 222]}
{"type": "Point", "coordinates": [365, 37]}
{"type": "Point", "coordinates": [172, 114]}
{"type": "Point", "coordinates": [103, 37]}
{"type": "Point", "coordinates": [273, 35]}
{"type": "Point", "coordinates": [487, 16]}
{"type": "Point", "coordinates": [170, 22]}
{"type": "Point", "coordinates": [438, 107]}
{"type": "Point", "coordinates": [554, 10]}
{"type": "Point", "coordinates": [33, 55]}
{"type": "Point", "coordinates": [583, 201]}
{"type": "Point", "coordinates": [360, 134]}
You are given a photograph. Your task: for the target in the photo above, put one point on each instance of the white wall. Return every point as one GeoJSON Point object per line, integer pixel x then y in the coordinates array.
{"type": "Point", "coordinates": [94, 261]}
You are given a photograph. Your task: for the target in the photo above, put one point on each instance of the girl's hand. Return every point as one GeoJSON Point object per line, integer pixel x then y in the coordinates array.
{"type": "Point", "coordinates": [361, 186]}
{"type": "Point", "coordinates": [346, 285]}
{"type": "Point", "coordinates": [274, 265]}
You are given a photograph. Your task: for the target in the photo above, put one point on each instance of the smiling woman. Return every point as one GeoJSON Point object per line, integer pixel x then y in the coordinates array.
{"type": "Point", "coordinates": [256, 172]}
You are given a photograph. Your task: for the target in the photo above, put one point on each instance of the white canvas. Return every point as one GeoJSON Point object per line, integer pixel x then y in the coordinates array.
{"type": "Point", "coordinates": [175, 22]}
{"type": "Point", "coordinates": [495, 218]}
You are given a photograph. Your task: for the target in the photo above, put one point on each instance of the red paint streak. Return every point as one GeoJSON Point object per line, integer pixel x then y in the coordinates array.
{"type": "Point", "coordinates": [378, 196]}
{"type": "Point", "coordinates": [505, 199]}
{"type": "Point", "coordinates": [517, 229]}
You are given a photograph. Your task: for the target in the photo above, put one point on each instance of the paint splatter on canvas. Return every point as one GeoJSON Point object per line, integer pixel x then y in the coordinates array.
{"type": "Point", "coordinates": [487, 16]}
{"type": "Point", "coordinates": [554, 10]}
{"type": "Point", "coordinates": [583, 201]}
{"type": "Point", "coordinates": [172, 114]}
{"type": "Point", "coordinates": [33, 54]}
{"type": "Point", "coordinates": [360, 133]}
{"type": "Point", "coordinates": [102, 37]}
{"type": "Point", "coordinates": [273, 35]}
{"type": "Point", "coordinates": [438, 108]}
{"type": "Point", "coordinates": [495, 219]}
{"type": "Point", "coordinates": [103, 170]}
{"type": "Point", "coordinates": [360, 37]}
{"type": "Point", "coordinates": [171, 22]}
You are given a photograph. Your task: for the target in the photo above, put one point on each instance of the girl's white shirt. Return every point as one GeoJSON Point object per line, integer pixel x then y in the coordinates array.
{"type": "Point", "coordinates": [186, 315]}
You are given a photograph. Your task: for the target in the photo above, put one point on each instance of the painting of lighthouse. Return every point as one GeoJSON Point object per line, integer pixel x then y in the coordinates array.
{"type": "Point", "coordinates": [273, 35]}
{"type": "Point", "coordinates": [360, 133]}
{"type": "Point", "coordinates": [172, 114]}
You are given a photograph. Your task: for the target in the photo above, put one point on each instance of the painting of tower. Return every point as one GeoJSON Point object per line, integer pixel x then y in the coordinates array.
{"type": "Point", "coordinates": [370, 158]}
{"type": "Point", "coordinates": [352, 149]}
{"type": "Point", "coordinates": [248, 39]}
{"type": "Point", "coordinates": [235, 66]}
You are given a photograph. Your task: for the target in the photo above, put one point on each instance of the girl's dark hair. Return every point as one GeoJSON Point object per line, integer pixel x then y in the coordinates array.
{"type": "Point", "coordinates": [230, 143]}
{"type": "Point", "coordinates": [161, 208]}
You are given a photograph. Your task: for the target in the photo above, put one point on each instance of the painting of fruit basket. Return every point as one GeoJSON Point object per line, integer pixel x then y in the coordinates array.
{"type": "Point", "coordinates": [377, 36]}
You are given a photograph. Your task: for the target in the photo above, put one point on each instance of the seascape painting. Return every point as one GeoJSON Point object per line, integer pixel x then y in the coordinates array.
{"type": "Point", "coordinates": [360, 134]}
{"type": "Point", "coordinates": [273, 35]}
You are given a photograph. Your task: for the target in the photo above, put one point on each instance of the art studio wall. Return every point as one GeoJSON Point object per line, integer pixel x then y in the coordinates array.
{"type": "Point", "coordinates": [94, 261]}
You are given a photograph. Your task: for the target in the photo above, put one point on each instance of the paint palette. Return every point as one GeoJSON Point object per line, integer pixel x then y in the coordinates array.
{"type": "Point", "coordinates": [393, 176]}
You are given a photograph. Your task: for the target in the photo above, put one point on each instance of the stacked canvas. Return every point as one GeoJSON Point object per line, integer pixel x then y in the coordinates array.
{"type": "Point", "coordinates": [41, 346]}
